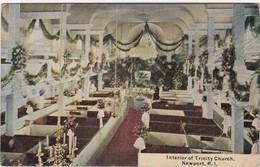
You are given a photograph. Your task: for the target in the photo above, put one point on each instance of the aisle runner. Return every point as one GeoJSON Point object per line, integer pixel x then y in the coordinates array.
{"type": "Point", "coordinates": [120, 150]}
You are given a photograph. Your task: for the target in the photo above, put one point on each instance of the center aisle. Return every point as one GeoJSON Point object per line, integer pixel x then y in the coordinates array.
{"type": "Point", "coordinates": [120, 151]}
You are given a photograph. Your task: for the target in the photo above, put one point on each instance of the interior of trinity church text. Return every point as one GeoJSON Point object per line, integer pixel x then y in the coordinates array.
{"type": "Point", "coordinates": [102, 84]}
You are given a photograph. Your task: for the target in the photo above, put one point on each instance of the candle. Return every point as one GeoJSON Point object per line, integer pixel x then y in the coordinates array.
{"type": "Point", "coordinates": [40, 147]}
{"type": "Point", "coordinates": [50, 151]}
{"type": "Point", "coordinates": [64, 138]}
{"type": "Point", "coordinates": [75, 142]}
{"type": "Point", "coordinates": [47, 140]}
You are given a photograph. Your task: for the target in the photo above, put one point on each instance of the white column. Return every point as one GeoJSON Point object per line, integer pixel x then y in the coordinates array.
{"type": "Point", "coordinates": [86, 85]}
{"type": "Point", "coordinates": [13, 102]}
{"type": "Point", "coordinates": [210, 101]}
{"type": "Point", "coordinates": [12, 113]}
{"type": "Point", "coordinates": [61, 99]}
{"type": "Point", "coordinates": [197, 50]}
{"type": "Point", "coordinates": [49, 76]}
{"type": "Point", "coordinates": [87, 45]}
{"type": "Point", "coordinates": [189, 84]}
{"type": "Point", "coordinates": [169, 56]}
{"type": "Point", "coordinates": [55, 29]}
{"type": "Point", "coordinates": [211, 49]}
{"type": "Point", "coordinates": [237, 126]}
{"type": "Point", "coordinates": [202, 79]}
{"type": "Point", "coordinates": [100, 82]}
{"type": "Point", "coordinates": [190, 33]}
{"type": "Point", "coordinates": [13, 27]}
{"type": "Point", "coordinates": [100, 46]}
{"type": "Point", "coordinates": [195, 92]}
{"type": "Point", "coordinates": [197, 42]}
{"type": "Point", "coordinates": [63, 34]}
{"type": "Point", "coordinates": [238, 32]}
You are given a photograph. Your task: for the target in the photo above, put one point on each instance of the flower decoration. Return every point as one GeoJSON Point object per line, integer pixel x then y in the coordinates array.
{"type": "Point", "coordinates": [100, 104]}
{"type": "Point", "coordinates": [19, 57]}
{"type": "Point", "coordinates": [204, 98]}
{"type": "Point", "coordinates": [191, 59]}
{"type": "Point", "coordinates": [31, 102]}
{"type": "Point", "coordinates": [140, 130]}
{"type": "Point", "coordinates": [204, 58]}
{"type": "Point", "coordinates": [145, 107]}
{"type": "Point", "coordinates": [228, 59]}
{"type": "Point", "coordinates": [91, 58]}
{"type": "Point", "coordinates": [70, 123]}
{"type": "Point", "coordinates": [253, 134]}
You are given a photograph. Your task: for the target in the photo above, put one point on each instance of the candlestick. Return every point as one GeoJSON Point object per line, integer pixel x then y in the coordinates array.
{"type": "Point", "coordinates": [75, 142]}
{"type": "Point", "coordinates": [40, 147]}
{"type": "Point", "coordinates": [50, 151]}
{"type": "Point", "coordinates": [47, 140]}
{"type": "Point", "coordinates": [64, 138]}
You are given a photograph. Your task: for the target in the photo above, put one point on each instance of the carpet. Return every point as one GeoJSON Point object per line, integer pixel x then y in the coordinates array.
{"type": "Point", "coordinates": [120, 150]}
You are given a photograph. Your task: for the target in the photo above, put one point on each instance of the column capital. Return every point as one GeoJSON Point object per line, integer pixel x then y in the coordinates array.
{"type": "Point", "coordinates": [237, 104]}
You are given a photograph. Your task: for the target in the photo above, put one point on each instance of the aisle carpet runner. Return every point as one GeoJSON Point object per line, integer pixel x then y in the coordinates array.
{"type": "Point", "coordinates": [120, 150]}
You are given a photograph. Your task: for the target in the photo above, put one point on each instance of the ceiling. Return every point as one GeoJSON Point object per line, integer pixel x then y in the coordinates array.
{"type": "Point", "coordinates": [122, 19]}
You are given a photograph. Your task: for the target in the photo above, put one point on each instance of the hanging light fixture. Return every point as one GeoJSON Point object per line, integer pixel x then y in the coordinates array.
{"type": "Point", "coordinates": [146, 48]}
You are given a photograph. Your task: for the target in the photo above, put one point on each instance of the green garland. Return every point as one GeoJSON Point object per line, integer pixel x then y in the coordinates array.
{"type": "Point", "coordinates": [78, 37]}
{"type": "Point", "coordinates": [55, 74]}
{"type": "Point", "coordinates": [67, 60]}
{"type": "Point", "coordinates": [46, 33]}
{"type": "Point", "coordinates": [85, 69]}
{"type": "Point", "coordinates": [74, 70]}
{"type": "Point", "coordinates": [253, 135]}
{"type": "Point", "coordinates": [34, 79]}
{"type": "Point", "coordinates": [203, 60]}
{"type": "Point", "coordinates": [4, 23]}
{"type": "Point", "coordinates": [19, 58]}
{"type": "Point", "coordinates": [30, 28]}
{"type": "Point", "coordinates": [170, 72]}
{"type": "Point", "coordinates": [6, 79]}
{"type": "Point", "coordinates": [254, 26]}
{"type": "Point", "coordinates": [217, 79]}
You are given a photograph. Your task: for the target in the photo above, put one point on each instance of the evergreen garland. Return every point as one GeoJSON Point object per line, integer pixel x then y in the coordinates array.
{"type": "Point", "coordinates": [170, 72]}
{"type": "Point", "coordinates": [253, 134]}
{"type": "Point", "coordinates": [46, 33]}
{"type": "Point", "coordinates": [19, 58]}
{"type": "Point", "coordinates": [254, 26]}
{"type": "Point", "coordinates": [67, 60]}
{"type": "Point", "coordinates": [228, 59]}
{"type": "Point", "coordinates": [74, 70]}
{"type": "Point", "coordinates": [29, 29]}
{"type": "Point", "coordinates": [7, 78]}
{"type": "Point", "coordinates": [77, 37]}
{"type": "Point", "coordinates": [85, 69]}
{"type": "Point", "coordinates": [217, 79]}
{"type": "Point", "coordinates": [4, 23]}
{"type": "Point", "coordinates": [203, 60]}
{"type": "Point", "coordinates": [34, 79]}
{"type": "Point", "coordinates": [55, 74]}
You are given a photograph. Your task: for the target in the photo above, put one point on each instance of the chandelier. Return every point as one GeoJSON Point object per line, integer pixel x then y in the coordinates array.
{"type": "Point", "coordinates": [146, 48]}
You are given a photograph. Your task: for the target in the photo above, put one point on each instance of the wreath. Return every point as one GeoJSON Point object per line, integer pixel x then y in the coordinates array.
{"type": "Point", "coordinates": [19, 57]}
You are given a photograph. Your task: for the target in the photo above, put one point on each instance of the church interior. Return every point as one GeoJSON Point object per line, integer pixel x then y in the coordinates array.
{"type": "Point", "coordinates": [99, 84]}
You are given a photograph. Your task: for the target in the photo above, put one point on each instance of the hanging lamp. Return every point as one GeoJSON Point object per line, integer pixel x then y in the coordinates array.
{"type": "Point", "coordinates": [146, 48]}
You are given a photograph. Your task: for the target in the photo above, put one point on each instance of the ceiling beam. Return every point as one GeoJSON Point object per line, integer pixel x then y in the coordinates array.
{"type": "Point", "coordinates": [43, 15]}
{"type": "Point", "coordinates": [217, 26]}
{"type": "Point", "coordinates": [229, 12]}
